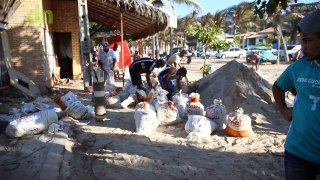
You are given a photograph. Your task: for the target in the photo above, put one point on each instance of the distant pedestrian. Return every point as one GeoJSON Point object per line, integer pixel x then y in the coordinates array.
{"type": "Point", "coordinates": [107, 60]}
{"type": "Point", "coordinates": [174, 60]}
{"type": "Point", "coordinates": [255, 60]}
{"type": "Point", "coordinates": [116, 50]}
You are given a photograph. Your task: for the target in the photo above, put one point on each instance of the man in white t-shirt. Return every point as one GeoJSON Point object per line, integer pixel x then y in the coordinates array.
{"type": "Point", "coordinates": [106, 61]}
{"type": "Point", "coordinates": [116, 48]}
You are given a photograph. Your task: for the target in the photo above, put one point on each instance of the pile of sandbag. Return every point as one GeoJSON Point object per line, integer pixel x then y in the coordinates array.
{"type": "Point", "coordinates": [73, 107]}
{"type": "Point", "coordinates": [200, 123]}
{"type": "Point", "coordinates": [121, 99]}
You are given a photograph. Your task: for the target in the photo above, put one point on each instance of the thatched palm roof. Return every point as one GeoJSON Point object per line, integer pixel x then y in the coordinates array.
{"type": "Point", "coordinates": [140, 19]}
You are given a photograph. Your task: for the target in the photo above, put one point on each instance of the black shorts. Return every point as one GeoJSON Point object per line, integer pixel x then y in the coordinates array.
{"type": "Point", "coordinates": [135, 77]}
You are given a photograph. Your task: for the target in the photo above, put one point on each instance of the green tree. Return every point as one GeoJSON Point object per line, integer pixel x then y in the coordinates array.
{"type": "Point", "coordinates": [208, 36]}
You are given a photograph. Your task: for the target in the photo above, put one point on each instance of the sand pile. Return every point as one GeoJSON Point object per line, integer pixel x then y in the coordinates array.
{"type": "Point", "coordinates": [239, 86]}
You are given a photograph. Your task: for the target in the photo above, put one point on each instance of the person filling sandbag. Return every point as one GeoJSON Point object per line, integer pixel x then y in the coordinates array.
{"type": "Point", "coordinates": [194, 106]}
{"type": "Point", "coordinates": [167, 80]}
{"type": "Point", "coordinates": [168, 114]}
{"type": "Point", "coordinates": [140, 66]}
{"type": "Point", "coordinates": [239, 124]}
{"type": "Point", "coordinates": [145, 118]}
{"type": "Point", "coordinates": [182, 83]}
{"type": "Point", "coordinates": [217, 113]}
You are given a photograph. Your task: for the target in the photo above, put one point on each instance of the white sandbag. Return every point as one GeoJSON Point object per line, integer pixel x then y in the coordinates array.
{"type": "Point", "coordinates": [76, 110]}
{"type": "Point", "coordinates": [199, 126]}
{"type": "Point", "coordinates": [28, 108]}
{"type": "Point", "coordinates": [132, 89]}
{"type": "Point", "coordinates": [124, 104]}
{"type": "Point", "coordinates": [168, 114]}
{"type": "Point", "coordinates": [217, 113]}
{"type": "Point", "coordinates": [239, 124]}
{"type": "Point", "coordinates": [32, 124]}
{"type": "Point", "coordinates": [90, 112]}
{"type": "Point", "coordinates": [194, 106]}
{"type": "Point", "coordinates": [181, 100]}
{"type": "Point", "coordinates": [145, 118]}
{"type": "Point", "coordinates": [69, 98]}
{"type": "Point", "coordinates": [113, 101]}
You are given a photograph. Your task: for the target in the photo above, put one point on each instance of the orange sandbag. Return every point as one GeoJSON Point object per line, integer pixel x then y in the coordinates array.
{"type": "Point", "coordinates": [239, 124]}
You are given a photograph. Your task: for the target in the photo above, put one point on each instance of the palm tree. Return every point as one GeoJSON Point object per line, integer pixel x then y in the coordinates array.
{"type": "Point", "coordinates": [206, 20]}
{"type": "Point", "coordinates": [219, 18]}
{"type": "Point", "coordinates": [159, 3]}
{"type": "Point", "coordinates": [238, 14]}
{"type": "Point", "coordinates": [288, 19]}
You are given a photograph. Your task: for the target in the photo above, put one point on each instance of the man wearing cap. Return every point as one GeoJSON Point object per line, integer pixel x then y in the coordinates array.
{"type": "Point", "coordinates": [143, 65]}
{"type": "Point", "coordinates": [107, 60]}
{"type": "Point", "coordinates": [302, 147]}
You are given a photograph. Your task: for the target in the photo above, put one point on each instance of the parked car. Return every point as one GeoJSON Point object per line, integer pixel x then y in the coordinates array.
{"type": "Point", "coordinates": [208, 54]}
{"type": "Point", "coordinates": [291, 49]}
{"type": "Point", "coordinates": [258, 49]}
{"type": "Point", "coordinates": [232, 52]}
{"type": "Point", "coordinates": [265, 56]}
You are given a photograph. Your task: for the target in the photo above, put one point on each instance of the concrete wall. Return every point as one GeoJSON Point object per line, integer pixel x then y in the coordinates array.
{"type": "Point", "coordinates": [27, 30]}
{"type": "Point", "coordinates": [25, 38]}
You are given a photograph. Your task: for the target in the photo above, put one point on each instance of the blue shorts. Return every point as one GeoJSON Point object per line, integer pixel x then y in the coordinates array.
{"type": "Point", "coordinates": [298, 168]}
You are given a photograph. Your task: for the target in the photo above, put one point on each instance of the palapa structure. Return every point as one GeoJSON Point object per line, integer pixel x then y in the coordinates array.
{"type": "Point", "coordinates": [44, 34]}
{"type": "Point", "coordinates": [140, 20]}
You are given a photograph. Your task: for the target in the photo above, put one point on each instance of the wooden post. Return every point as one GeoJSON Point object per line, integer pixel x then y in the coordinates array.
{"type": "Point", "coordinates": [122, 52]}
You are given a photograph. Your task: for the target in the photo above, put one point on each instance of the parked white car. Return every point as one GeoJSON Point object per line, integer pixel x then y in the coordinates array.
{"type": "Point", "coordinates": [209, 53]}
{"type": "Point", "coordinates": [232, 52]}
{"type": "Point", "coordinates": [292, 50]}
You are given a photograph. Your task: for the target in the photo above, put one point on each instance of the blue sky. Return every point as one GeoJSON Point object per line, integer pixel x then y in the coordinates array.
{"type": "Point", "coordinates": [213, 5]}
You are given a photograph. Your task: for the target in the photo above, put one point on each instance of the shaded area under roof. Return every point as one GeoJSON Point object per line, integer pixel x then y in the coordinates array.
{"type": "Point", "coordinates": [140, 20]}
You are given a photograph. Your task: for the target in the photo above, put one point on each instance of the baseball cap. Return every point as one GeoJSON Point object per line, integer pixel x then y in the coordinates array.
{"type": "Point", "coordinates": [310, 23]}
{"type": "Point", "coordinates": [105, 45]}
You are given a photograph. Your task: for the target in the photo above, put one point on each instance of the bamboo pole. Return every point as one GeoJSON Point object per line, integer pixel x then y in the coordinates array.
{"type": "Point", "coordinates": [122, 52]}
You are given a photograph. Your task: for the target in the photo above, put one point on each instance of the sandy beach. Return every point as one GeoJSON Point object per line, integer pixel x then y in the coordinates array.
{"type": "Point", "coordinates": [112, 149]}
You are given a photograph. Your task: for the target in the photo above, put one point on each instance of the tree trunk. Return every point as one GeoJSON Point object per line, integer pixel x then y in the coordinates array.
{"type": "Point", "coordinates": [286, 57]}
{"type": "Point", "coordinates": [204, 62]}
{"type": "Point", "coordinates": [171, 43]}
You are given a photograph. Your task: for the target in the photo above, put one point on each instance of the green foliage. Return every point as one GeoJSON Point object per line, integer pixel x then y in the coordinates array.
{"type": "Point", "coordinates": [270, 6]}
{"type": "Point", "coordinates": [236, 40]}
{"type": "Point", "coordinates": [206, 70]}
{"type": "Point", "coordinates": [271, 38]}
{"type": "Point", "coordinates": [223, 44]}
{"type": "Point", "coordinates": [206, 35]}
